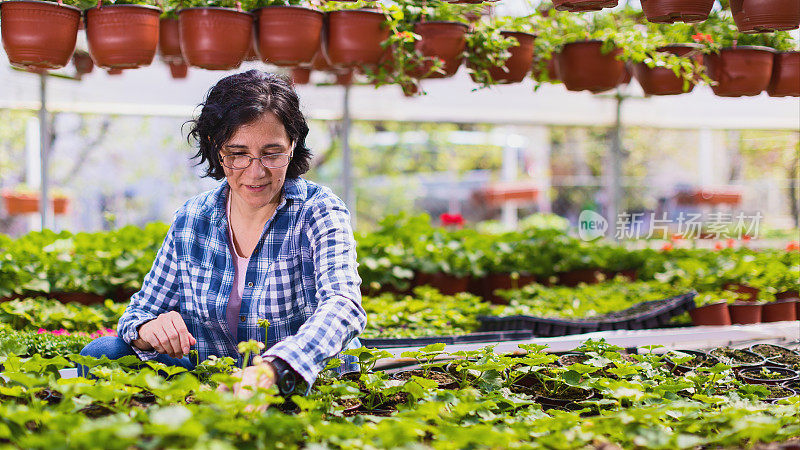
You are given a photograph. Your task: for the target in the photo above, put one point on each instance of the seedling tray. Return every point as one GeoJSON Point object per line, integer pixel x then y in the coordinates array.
{"type": "Point", "coordinates": [642, 316]}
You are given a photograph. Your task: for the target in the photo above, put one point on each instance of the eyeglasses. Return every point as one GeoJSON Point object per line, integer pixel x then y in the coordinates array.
{"type": "Point", "coordinates": [270, 161]}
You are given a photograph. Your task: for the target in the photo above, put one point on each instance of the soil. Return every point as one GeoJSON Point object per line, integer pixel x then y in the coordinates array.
{"type": "Point", "coordinates": [96, 410]}
{"type": "Point", "coordinates": [778, 392]}
{"type": "Point", "coordinates": [569, 359]}
{"type": "Point", "coordinates": [736, 357]}
{"type": "Point", "coordinates": [348, 403]}
{"type": "Point", "coordinates": [790, 361]}
{"type": "Point", "coordinates": [701, 361]}
{"type": "Point", "coordinates": [50, 396]}
{"type": "Point", "coordinates": [769, 350]}
{"type": "Point", "coordinates": [757, 374]}
{"type": "Point", "coordinates": [443, 380]}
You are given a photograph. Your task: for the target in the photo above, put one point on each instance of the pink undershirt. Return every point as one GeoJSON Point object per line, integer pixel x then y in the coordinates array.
{"type": "Point", "coordinates": [239, 274]}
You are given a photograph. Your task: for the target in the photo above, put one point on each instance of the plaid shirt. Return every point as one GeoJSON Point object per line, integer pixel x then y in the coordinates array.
{"type": "Point", "coordinates": [302, 277]}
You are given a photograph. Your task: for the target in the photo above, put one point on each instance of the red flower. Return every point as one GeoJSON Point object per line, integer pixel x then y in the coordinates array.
{"type": "Point", "coordinates": [667, 247]}
{"type": "Point", "coordinates": [746, 238]}
{"type": "Point", "coordinates": [793, 246]}
{"type": "Point", "coordinates": [718, 246]}
{"type": "Point", "coordinates": [451, 219]}
{"type": "Point", "coordinates": [676, 237]}
{"type": "Point", "coordinates": [702, 37]}
{"type": "Point", "coordinates": [730, 242]}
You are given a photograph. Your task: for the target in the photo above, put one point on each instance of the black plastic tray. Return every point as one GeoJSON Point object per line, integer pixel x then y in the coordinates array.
{"type": "Point", "coordinates": [657, 315]}
{"type": "Point", "coordinates": [492, 336]}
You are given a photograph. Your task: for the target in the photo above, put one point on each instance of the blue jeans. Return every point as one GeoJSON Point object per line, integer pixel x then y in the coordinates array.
{"type": "Point", "coordinates": [114, 347]}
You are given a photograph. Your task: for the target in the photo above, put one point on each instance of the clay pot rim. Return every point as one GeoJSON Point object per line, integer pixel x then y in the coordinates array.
{"type": "Point", "coordinates": [297, 7]}
{"type": "Point", "coordinates": [787, 52]}
{"type": "Point", "coordinates": [356, 11]}
{"type": "Point", "coordinates": [74, 8]}
{"type": "Point", "coordinates": [442, 22]}
{"type": "Point", "coordinates": [148, 7]}
{"type": "Point", "coordinates": [749, 47]}
{"type": "Point", "coordinates": [759, 304]}
{"type": "Point", "coordinates": [524, 33]}
{"type": "Point", "coordinates": [215, 8]}
{"type": "Point", "coordinates": [664, 48]}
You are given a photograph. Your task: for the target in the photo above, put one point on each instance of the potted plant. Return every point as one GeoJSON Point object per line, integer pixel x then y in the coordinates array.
{"type": "Point", "coordinates": [442, 28]}
{"type": "Point", "coordinates": [785, 79]}
{"type": "Point", "coordinates": [768, 375]}
{"type": "Point", "coordinates": [169, 42]}
{"type": "Point", "coordinates": [588, 57]}
{"type": "Point", "coordinates": [779, 310]}
{"type": "Point", "coordinates": [26, 201]}
{"type": "Point", "coordinates": [671, 11]}
{"type": "Point", "coordinates": [500, 51]}
{"type": "Point", "coordinates": [122, 34]}
{"type": "Point", "coordinates": [39, 34]}
{"type": "Point", "coordinates": [215, 34]}
{"type": "Point", "coordinates": [583, 5]}
{"type": "Point", "coordinates": [712, 309]}
{"type": "Point", "coordinates": [759, 16]}
{"type": "Point", "coordinates": [739, 64]}
{"type": "Point", "coordinates": [667, 62]}
{"type": "Point", "coordinates": [354, 34]}
{"type": "Point", "coordinates": [287, 34]}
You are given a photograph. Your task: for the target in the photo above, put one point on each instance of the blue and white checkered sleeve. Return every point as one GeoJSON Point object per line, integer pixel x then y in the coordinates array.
{"type": "Point", "coordinates": [159, 294]}
{"type": "Point", "coordinates": [339, 316]}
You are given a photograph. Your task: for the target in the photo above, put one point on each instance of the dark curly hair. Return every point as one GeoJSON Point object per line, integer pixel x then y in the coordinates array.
{"type": "Point", "coordinates": [240, 99]}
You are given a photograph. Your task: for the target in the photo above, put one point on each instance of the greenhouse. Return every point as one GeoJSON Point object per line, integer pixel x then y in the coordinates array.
{"type": "Point", "coordinates": [559, 224]}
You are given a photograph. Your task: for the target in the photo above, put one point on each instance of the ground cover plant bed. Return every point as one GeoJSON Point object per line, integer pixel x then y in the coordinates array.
{"type": "Point", "coordinates": [608, 399]}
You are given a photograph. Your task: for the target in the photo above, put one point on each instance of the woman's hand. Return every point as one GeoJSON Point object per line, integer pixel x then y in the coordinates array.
{"type": "Point", "coordinates": [260, 375]}
{"type": "Point", "coordinates": [167, 334]}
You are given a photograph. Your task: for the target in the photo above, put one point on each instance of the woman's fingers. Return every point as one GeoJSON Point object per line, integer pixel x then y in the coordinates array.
{"type": "Point", "coordinates": [184, 338]}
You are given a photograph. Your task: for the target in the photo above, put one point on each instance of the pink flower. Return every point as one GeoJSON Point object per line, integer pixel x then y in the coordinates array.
{"type": "Point", "coordinates": [41, 331]}
{"type": "Point", "coordinates": [730, 243]}
{"type": "Point", "coordinates": [793, 246]}
{"type": "Point", "coordinates": [451, 219]}
{"type": "Point", "coordinates": [718, 246]}
{"type": "Point", "coordinates": [667, 247]}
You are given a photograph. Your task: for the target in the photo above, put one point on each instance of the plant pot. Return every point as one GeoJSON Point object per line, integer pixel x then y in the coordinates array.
{"type": "Point", "coordinates": [354, 37]}
{"type": "Point", "coordinates": [583, 5]}
{"type": "Point", "coordinates": [714, 314]}
{"type": "Point", "coordinates": [169, 41]}
{"type": "Point", "coordinates": [114, 72]}
{"type": "Point", "coordinates": [752, 376]}
{"type": "Point", "coordinates": [750, 292]}
{"type": "Point", "coordinates": [495, 281]}
{"type": "Point", "coordinates": [785, 80]}
{"type": "Point", "coordinates": [660, 80]}
{"type": "Point", "coordinates": [787, 295]}
{"type": "Point", "coordinates": [761, 16]}
{"type": "Point", "coordinates": [742, 359]}
{"type": "Point", "coordinates": [178, 70]}
{"type": "Point", "coordinates": [550, 66]}
{"type": "Point", "coordinates": [779, 393]}
{"type": "Point", "coordinates": [582, 66]}
{"type": "Point", "coordinates": [344, 78]}
{"type": "Point", "coordinates": [215, 38]}
{"type": "Point", "coordinates": [288, 35]}
{"type": "Point", "coordinates": [671, 11]}
{"type": "Point", "coordinates": [300, 76]}
{"type": "Point", "coordinates": [83, 62]}
{"type": "Point", "coordinates": [743, 313]}
{"type": "Point", "coordinates": [29, 203]}
{"type": "Point", "coordinates": [771, 351]}
{"type": "Point", "coordinates": [122, 36]}
{"type": "Point", "coordinates": [445, 283]}
{"type": "Point", "coordinates": [38, 34]}
{"type": "Point", "coordinates": [578, 276]}
{"type": "Point", "coordinates": [518, 64]}
{"type": "Point", "coordinates": [740, 71]}
{"type": "Point", "coordinates": [705, 360]}
{"type": "Point", "coordinates": [60, 205]}
{"type": "Point", "coordinates": [779, 311]}
{"type": "Point", "coordinates": [443, 40]}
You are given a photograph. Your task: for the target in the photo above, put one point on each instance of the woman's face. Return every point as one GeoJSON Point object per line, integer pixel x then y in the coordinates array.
{"type": "Point", "coordinates": [256, 185]}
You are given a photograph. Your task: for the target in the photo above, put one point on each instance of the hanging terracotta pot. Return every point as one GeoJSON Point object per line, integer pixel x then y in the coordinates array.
{"type": "Point", "coordinates": [344, 78]}
{"type": "Point", "coordinates": [583, 66]}
{"type": "Point", "coordinates": [761, 16]}
{"type": "Point", "coordinates": [215, 38]}
{"type": "Point", "coordinates": [300, 76]}
{"type": "Point", "coordinates": [518, 64]}
{"type": "Point", "coordinates": [122, 36]}
{"type": "Point", "coordinates": [354, 37]}
{"type": "Point", "coordinates": [288, 35]}
{"type": "Point", "coordinates": [169, 41]}
{"type": "Point", "coordinates": [583, 5]}
{"type": "Point", "coordinates": [83, 62]}
{"type": "Point", "coordinates": [550, 66]}
{"type": "Point", "coordinates": [178, 70]}
{"type": "Point", "coordinates": [671, 11]}
{"type": "Point", "coordinates": [28, 203]}
{"type": "Point", "coordinates": [785, 80]}
{"type": "Point", "coordinates": [443, 40]}
{"type": "Point", "coordinates": [38, 34]}
{"type": "Point", "coordinates": [660, 80]}
{"type": "Point", "coordinates": [740, 71]}
{"type": "Point", "coordinates": [713, 314]}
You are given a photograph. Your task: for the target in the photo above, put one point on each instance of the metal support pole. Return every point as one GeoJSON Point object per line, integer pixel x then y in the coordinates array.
{"type": "Point", "coordinates": [44, 200]}
{"type": "Point", "coordinates": [614, 169]}
{"type": "Point", "coordinates": [347, 160]}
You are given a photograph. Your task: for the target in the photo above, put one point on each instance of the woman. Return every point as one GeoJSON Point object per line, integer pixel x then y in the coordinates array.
{"type": "Point", "coordinates": [266, 244]}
